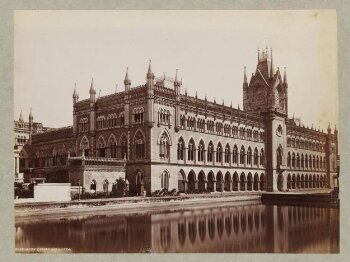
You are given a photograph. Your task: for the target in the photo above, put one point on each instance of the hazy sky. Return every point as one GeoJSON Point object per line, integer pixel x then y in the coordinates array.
{"type": "Point", "coordinates": [55, 49]}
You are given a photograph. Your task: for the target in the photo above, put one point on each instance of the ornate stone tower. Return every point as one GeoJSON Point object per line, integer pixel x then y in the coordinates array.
{"type": "Point", "coordinates": [266, 89]}
{"type": "Point", "coordinates": [266, 95]}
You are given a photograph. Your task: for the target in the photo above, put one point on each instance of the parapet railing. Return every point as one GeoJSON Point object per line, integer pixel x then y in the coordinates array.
{"type": "Point", "coordinates": [96, 161]}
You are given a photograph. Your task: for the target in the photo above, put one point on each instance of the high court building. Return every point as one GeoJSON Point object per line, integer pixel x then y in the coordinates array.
{"type": "Point", "coordinates": [156, 137]}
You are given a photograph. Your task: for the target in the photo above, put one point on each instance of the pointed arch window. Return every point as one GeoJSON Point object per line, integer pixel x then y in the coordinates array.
{"type": "Point", "coordinates": [235, 155]}
{"type": "Point", "coordinates": [227, 153]}
{"type": "Point", "coordinates": [84, 146]}
{"type": "Point", "coordinates": [101, 147]}
{"type": "Point", "coordinates": [242, 156]}
{"type": "Point", "coordinates": [262, 157]}
{"type": "Point", "coordinates": [113, 148]}
{"type": "Point", "coordinates": [289, 158]}
{"type": "Point", "coordinates": [124, 147]}
{"type": "Point", "coordinates": [164, 146]}
{"type": "Point", "coordinates": [139, 146]}
{"type": "Point", "coordinates": [210, 152]}
{"type": "Point", "coordinates": [249, 156]}
{"type": "Point", "coordinates": [191, 150]}
{"type": "Point", "coordinates": [256, 157]}
{"type": "Point", "coordinates": [164, 180]}
{"type": "Point", "coordinates": [180, 149]}
{"type": "Point", "coordinates": [219, 153]}
{"type": "Point", "coordinates": [138, 114]}
{"type": "Point", "coordinates": [201, 151]}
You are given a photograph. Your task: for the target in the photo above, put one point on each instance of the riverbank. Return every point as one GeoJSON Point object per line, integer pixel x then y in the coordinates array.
{"type": "Point", "coordinates": [30, 211]}
{"type": "Point", "coordinates": [129, 205]}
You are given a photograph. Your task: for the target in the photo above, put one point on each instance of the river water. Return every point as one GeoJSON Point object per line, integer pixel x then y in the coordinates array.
{"type": "Point", "coordinates": [224, 229]}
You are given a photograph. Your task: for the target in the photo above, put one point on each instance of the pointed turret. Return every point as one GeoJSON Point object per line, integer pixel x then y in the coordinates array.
{"type": "Point", "coordinates": [177, 83]}
{"type": "Point", "coordinates": [92, 92]}
{"type": "Point", "coordinates": [150, 76]}
{"type": "Point", "coordinates": [127, 82]}
{"type": "Point", "coordinates": [245, 76]}
{"type": "Point", "coordinates": [329, 130]}
{"type": "Point", "coordinates": [31, 118]}
{"type": "Point", "coordinates": [21, 117]}
{"type": "Point", "coordinates": [75, 94]}
{"type": "Point", "coordinates": [271, 66]}
{"type": "Point", "coordinates": [285, 77]}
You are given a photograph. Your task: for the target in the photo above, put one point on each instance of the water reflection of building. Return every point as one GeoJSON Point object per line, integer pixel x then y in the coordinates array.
{"type": "Point", "coordinates": [249, 228]}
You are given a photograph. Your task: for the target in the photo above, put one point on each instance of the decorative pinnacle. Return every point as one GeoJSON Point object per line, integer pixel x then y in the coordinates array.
{"type": "Point", "coordinates": [30, 114]}
{"type": "Point", "coordinates": [285, 76]}
{"type": "Point", "coordinates": [92, 89]}
{"type": "Point", "coordinates": [21, 117]}
{"type": "Point", "coordinates": [150, 75]}
{"type": "Point", "coordinates": [127, 81]}
{"type": "Point", "coordinates": [75, 94]}
{"type": "Point", "coordinates": [176, 81]}
{"type": "Point", "coordinates": [245, 75]}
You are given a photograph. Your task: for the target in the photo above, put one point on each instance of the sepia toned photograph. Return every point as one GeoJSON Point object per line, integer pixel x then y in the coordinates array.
{"type": "Point", "coordinates": [176, 131]}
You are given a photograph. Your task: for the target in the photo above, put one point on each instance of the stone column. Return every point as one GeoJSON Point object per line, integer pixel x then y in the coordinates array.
{"type": "Point", "coordinates": [205, 184]}
{"type": "Point", "coordinates": [185, 154]}
{"type": "Point", "coordinates": [185, 185]}
{"type": "Point", "coordinates": [205, 156]}
{"type": "Point", "coordinates": [222, 185]}
{"type": "Point", "coordinates": [214, 186]}
{"type": "Point", "coordinates": [196, 184]}
{"type": "Point", "coordinates": [230, 185]}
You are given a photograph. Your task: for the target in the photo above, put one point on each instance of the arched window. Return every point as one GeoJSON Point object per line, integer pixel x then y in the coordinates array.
{"type": "Point", "coordinates": [289, 158]}
{"type": "Point", "coordinates": [242, 156]}
{"type": "Point", "coordinates": [93, 186]}
{"type": "Point", "coordinates": [227, 153]}
{"type": "Point", "coordinates": [83, 124]}
{"type": "Point", "coordinates": [293, 160]}
{"type": "Point", "coordinates": [306, 161]}
{"type": "Point", "coordinates": [180, 149]}
{"type": "Point", "coordinates": [124, 147]}
{"type": "Point", "coordinates": [279, 156]}
{"type": "Point", "coordinates": [164, 180]}
{"type": "Point", "coordinates": [164, 146]}
{"type": "Point", "coordinates": [313, 162]}
{"type": "Point", "coordinates": [101, 147]}
{"type": "Point", "coordinates": [249, 156]}
{"type": "Point", "coordinates": [138, 114]}
{"type": "Point", "coordinates": [298, 160]}
{"type": "Point", "coordinates": [100, 122]}
{"type": "Point", "coordinates": [139, 146]}
{"type": "Point", "coordinates": [262, 157]}
{"type": "Point", "coordinates": [210, 152]}
{"type": "Point", "coordinates": [191, 150]}
{"type": "Point", "coordinates": [235, 154]}
{"type": "Point", "coordinates": [201, 151]}
{"type": "Point", "coordinates": [84, 146]}
{"type": "Point", "coordinates": [219, 153]}
{"type": "Point", "coordinates": [256, 157]}
{"type": "Point", "coordinates": [302, 161]}
{"type": "Point", "coordinates": [112, 144]}
{"type": "Point", "coordinates": [310, 162]}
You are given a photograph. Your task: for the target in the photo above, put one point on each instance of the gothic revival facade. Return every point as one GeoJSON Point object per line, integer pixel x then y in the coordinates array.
{"type": "Point", "coordinates": [158, 137]}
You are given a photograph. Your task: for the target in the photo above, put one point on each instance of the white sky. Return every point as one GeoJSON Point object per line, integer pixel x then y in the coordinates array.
{"type": "Point", "coordinates": [55, 49]}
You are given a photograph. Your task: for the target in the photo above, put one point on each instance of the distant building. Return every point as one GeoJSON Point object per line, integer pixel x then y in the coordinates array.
{"type": "Point", "coordinates": [160, 137]}
{"type": "Point", "coordinates": [22, 131]}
